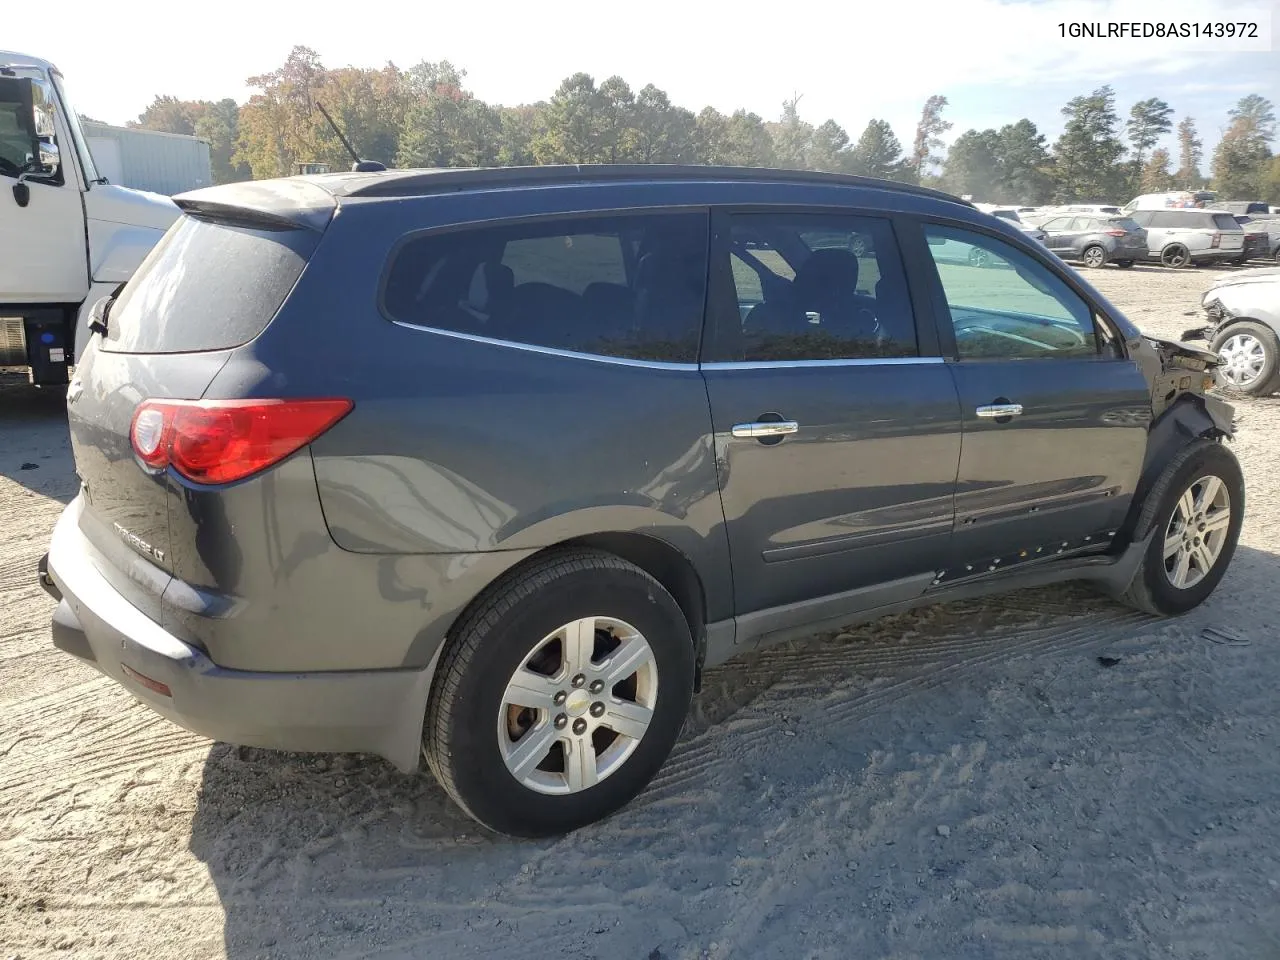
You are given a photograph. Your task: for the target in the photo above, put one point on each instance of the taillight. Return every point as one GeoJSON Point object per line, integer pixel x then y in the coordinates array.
{"type": "Point", "coordinates": [1115, 233]}
{"type": "Point", "coordinates": [219, 441]}
{"type": "Point", "coordinates": [1217, 239]}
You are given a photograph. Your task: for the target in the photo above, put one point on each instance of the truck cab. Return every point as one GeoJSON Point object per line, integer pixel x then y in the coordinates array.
{"type": "Point", "coordinates": [69, 237]}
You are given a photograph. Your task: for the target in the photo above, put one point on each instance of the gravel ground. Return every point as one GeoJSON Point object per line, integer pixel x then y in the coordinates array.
{"type": "Point", "coordinates": [1044, 774]}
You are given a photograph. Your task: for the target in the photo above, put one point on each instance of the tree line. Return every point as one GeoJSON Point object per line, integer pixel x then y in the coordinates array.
{"type": "Point", "coordinates": [426, 117]}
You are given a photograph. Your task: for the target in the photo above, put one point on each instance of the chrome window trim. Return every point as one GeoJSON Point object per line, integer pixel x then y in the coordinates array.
{"type": "Point", "coordinates": [548, 351]}
{"type": "Point", "coordinates": [789, 364]}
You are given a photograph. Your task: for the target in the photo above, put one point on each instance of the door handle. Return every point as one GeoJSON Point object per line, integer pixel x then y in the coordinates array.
{"type": "Point", "coordinates": [997, 410]}
{"type": "Point", "coordinates": [765, 428]}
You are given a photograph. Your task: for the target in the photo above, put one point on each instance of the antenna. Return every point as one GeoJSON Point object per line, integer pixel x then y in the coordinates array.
{"type": "Point", "coordinates": [345, 142]}
{"type": "Point", "coordinates": [357, 164]}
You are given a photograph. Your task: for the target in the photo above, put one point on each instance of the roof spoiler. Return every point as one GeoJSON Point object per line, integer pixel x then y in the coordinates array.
{"type": "Point", "coordinates": [268, 204]}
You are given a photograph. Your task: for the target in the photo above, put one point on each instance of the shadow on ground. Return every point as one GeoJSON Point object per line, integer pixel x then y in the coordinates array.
{"type": "Point", "coordinates": [32, 454]}
{"type": "Point", "coordinates": [804, 811]}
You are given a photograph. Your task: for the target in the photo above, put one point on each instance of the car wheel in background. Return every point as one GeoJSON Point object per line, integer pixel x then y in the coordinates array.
{"type": "Point", "coordinates": [1124, 264]}
{"type": "Point", "coordinates": [1194, 513]}
{"type": "Point", "coordinates": [1250, 354]}
{"type": "Point", "coordinates": [1094, 256]}
{"type": "Point", "coordinates": [560, 694]}
{"type": "Point", "coordinates": [1175, 255]}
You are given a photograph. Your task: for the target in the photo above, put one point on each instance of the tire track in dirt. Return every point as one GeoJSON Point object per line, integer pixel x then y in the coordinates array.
{"type": "Point", "coordinates": [707, 751]}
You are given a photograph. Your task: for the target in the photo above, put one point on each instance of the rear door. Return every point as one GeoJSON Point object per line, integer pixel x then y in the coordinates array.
{"type": "Point", "coordinates": [837, 426]}
{"type": "Point", "coordinates": [1055, 417]}
{"type": "Point", "coordinates": [168, 335]}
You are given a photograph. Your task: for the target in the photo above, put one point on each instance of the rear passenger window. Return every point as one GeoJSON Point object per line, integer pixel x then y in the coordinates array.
{"type": "Point", "coordinates": [816, 287]}
{"type": "Point", "coordinates": [623, 286]}
{"type": "Point", "coordinates": [1006, 305]}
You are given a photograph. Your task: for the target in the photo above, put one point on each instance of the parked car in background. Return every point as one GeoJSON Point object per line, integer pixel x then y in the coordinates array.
{"type": "Point", "coordinates": [1242, 207]}
{"type": "Point", "coordinates": [537, 446]}
{"type": "Point", "coordinates": [1106, 208]}
{"type": "Point", "coordinates": [1096, 240]}
{"type": "Point", "coordinates": [1268, 224]}
{"type": "Point", "coordinates": [1244, 329]}
{"type": "Point", "coordinates": [1182, 238]}
{"type": "Point", "coordinates": [1175, 200]}
{"type": "Point", "coordinates": [1257, 241]}
{"type": "Point", "coordinates": [1011, 215]}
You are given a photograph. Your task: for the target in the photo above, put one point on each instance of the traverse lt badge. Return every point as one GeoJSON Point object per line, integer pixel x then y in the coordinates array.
{"type": "Point", "coordinates": [139, 544]}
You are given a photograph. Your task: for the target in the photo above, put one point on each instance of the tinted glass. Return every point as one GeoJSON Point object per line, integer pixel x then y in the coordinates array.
{"type": "Point", "coordinates": [1080, 224]}
{"type": "Point", "coordinates": [817, 287]}
{"type": "Point", "coordinates": [1142, 218]}
{"type": "Point", "coordinates": [1167, 218]}
{"type": "Point", "coordinates": [1056, 225]}
{"type": "Point", "coordinates": [1224, 221]}
{"type": "Point", "coordinates": [15, 139]}
{"type": "Point", "coordinates": [623, 286]}
{"type": "Point", "coordinates": [1122, 223]}
{"type": "Point", "coordinates": [207, 286]}
{"type": "Point", "coordinates": [1006, 305]}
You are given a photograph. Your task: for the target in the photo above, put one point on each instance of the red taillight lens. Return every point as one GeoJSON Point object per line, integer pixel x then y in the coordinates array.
{"type": "Point", "coordinates": [1217, 239]}
{"type": "Point", "coordinates": [219, 441]}
{"type": "Point", "coordinates": [1115, 233]}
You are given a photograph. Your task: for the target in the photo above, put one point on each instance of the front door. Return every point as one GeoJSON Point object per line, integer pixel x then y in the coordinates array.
{"type": "Point", "coordinates": [1055, 417]}
{"type": "Point", "coordinates": [1061, 235]}
{"type": "Point", "coordinates": [837, 436]}
{"type": "Point", "coordinates": [44, 257]}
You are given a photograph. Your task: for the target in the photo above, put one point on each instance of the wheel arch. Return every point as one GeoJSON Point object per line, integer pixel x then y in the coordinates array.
{"type": "Point", "coordinates": [1188, 419]}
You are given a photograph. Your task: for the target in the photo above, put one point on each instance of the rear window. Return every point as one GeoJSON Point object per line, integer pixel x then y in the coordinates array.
{"type": "Point", "coordinates": [628, 286]}
{"type": "Point", "coordinates": [1124, 223]}
{"type": "Point", "coordinates": [1225, 221]}
{"type": "Point", "coordinates": [207, 286]}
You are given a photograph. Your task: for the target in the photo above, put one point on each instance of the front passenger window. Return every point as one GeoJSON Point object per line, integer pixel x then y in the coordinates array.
{"type": "Point", "coordinates": [1006, 305]}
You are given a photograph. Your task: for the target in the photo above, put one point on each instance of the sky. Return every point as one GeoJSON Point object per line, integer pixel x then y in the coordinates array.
{"type": "Point", "coordinates": [995, 60]}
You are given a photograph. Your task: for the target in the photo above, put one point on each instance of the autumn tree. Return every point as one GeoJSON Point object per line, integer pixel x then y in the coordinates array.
{"type": "Point", "coordinates": [1156, 175]}
{"type": "Point", "coordinates": [792, 137]}
{"type": "Point", "coordinates": [218, 124]}
{"type": "Point", "coordinates": [1243, 157]}
{"type": "Point", "coordinates": [1190, 153]}
{"type": "Point", "coordinates": [928, 136]}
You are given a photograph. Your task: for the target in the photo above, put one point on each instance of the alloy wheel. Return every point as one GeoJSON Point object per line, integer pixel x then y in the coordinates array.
{"type": "Point", "coordinates": [1196, 532]}
{"type": "Point", "coordinates": [578, 705]}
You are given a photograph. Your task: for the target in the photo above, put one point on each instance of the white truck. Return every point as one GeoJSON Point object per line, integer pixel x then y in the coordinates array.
{"type": "Point", "coordinates": [68, 238]}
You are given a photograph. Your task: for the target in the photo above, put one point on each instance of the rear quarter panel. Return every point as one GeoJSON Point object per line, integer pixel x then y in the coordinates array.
{"type": "Point", "coordinates": [458, 446]}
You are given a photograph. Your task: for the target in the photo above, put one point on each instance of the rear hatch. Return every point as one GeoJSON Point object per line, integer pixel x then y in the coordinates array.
{"type": "Point", "coordinates": [213, 283]}
{"type": "Point", "coordinates": [1232, 235]}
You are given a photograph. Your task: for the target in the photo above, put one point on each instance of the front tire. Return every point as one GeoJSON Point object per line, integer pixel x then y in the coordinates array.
{"type": "Point", "coordinates": [1250, 354]}
{"type": "Point", "coordinates": [532, 727]}
{"type": "Point", "coordinates": [1193, 512]}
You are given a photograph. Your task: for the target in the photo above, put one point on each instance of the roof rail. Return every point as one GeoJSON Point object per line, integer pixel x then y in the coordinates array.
{"type": "Point", "coordinates": [407, 183]}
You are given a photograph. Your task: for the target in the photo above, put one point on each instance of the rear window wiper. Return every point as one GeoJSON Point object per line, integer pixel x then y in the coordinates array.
{"type": "Point", "coordinates": [101, 311]}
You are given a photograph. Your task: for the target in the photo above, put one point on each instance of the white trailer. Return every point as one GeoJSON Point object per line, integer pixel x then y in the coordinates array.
{"type": "Point", "coordinates": [165, 163]}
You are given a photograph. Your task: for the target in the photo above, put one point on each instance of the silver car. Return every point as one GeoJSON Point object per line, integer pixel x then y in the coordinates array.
{"type": "Point", "coordinates": [1244, 329]}
{"type": "Point", "coordinates": [1182, 238]}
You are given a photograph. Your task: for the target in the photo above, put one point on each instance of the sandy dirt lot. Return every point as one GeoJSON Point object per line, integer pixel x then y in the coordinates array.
{"type": "Point", "coordinates": [965, 781]}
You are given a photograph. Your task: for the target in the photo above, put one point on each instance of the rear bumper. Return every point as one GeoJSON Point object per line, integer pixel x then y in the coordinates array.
{"type": "Point", "coordinates": [373, 711]}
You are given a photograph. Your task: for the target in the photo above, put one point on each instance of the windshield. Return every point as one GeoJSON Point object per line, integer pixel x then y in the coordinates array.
{"type": "Point", "coordinates": [79, 144]}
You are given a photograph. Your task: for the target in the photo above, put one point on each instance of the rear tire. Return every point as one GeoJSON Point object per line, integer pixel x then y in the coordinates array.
{"type": "Point", "coordinates": [1124, 264]}
{"type": "Point", "coordinates": [1175, 256]}
{"type": "Point", "coordinates": [1094, 256]}
{"type": "Point", "coordinates": [1250, 354]}
{"type": "Point", "coordinates": [520, 634]}
{"type": "Point", "coordinates": [1192, 539]}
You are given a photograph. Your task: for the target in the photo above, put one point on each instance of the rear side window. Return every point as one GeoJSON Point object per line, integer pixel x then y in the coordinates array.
{"type": "Point", "coordinates": [1225, 221]}
{"type": "Point", "coordinates": [625, 286]}
{"type": "Point", "coordinates": [1168, 218]}
{"type": "Point", "coordinates": [816, 287]}
{"type": "Point", "coordinates": [207, 286]}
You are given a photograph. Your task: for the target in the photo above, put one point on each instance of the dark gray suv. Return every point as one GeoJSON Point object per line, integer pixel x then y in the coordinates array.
{"type": "Point", "coordinates": [487, 467]}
